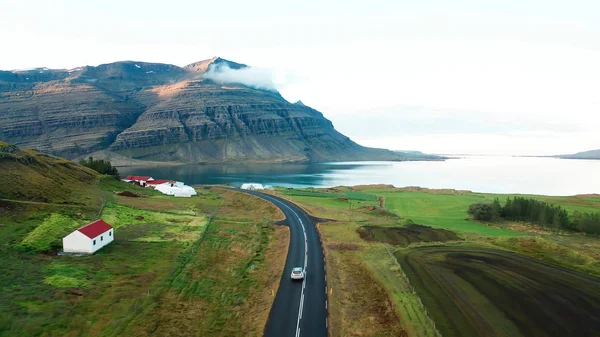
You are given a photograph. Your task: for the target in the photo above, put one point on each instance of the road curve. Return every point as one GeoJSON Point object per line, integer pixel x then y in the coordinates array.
{"type": "Point", "coordinates": [300, 308]}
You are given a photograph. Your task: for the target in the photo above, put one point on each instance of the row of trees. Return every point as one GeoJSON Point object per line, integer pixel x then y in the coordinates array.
{"type": "Point", "coordinates": [101, 166]}
{"type": "Point", "coordinates": [536, 212]}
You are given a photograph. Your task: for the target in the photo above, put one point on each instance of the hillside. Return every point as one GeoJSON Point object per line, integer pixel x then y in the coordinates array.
{"type": "Point", "coordinates": [154, 112]}
{"type": "Point", "coordinates": [593, 154]}
{"type": "Point", "coordinates": [28, 175]}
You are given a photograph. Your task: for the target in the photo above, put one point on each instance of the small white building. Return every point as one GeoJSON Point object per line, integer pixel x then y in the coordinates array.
{"type": "Point", "coordinates": [89, 238]}
{"type": "Point", "coordinates": [176, 189]}
{"type": "Point", "coordinates": [252, 186]}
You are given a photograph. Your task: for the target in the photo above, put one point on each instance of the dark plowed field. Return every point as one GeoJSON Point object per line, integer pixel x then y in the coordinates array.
{"type": "Point", "coordinates": [404, 236]}
{"type": "Point", "coordinates": [473, 291]}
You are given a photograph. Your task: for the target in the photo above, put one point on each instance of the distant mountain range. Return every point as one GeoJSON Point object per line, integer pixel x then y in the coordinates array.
{"type": "Point", "coordinates": [137, 112]}
{"type": "Point", "coordinates": [593, 154]}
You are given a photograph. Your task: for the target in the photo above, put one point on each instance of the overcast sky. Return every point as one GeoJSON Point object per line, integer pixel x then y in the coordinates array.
{"type": "Point", "coordinates": [461, 76]}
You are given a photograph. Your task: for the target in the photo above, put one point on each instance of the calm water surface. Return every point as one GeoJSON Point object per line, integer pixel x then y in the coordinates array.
{"type": "Point", "coordinates": [547, 176]}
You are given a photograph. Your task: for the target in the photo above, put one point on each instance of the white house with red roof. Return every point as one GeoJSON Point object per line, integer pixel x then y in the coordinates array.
{"type": "Point", "coordinates": [141, 180]}
{"type": "Point", "coordinates": [89, 238]}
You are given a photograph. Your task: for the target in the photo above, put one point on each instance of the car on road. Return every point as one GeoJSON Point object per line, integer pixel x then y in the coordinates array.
{"type": "Point", "coordinates": [298, 273]}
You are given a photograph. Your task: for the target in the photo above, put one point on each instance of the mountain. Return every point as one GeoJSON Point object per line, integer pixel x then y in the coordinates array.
{"type": "Point", "coordinates": [139, 112]}
{"type": "Point", "coordinates": [418, 155]}
{"type": "Point", "coordinates": [33, 176]}
{"type": "Point", "coordinates": [593, 154]}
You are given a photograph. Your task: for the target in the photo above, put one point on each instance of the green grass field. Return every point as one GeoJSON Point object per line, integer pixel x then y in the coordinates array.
{"type": "Point", "coordinates": [447, 211]}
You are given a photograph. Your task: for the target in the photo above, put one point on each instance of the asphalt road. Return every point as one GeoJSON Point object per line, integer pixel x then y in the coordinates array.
{"type": "Point", "coordinates": [300, 307]}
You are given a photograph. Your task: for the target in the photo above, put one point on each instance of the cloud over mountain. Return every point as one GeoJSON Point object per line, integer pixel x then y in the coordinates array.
{"type": "Point", "coordinates": [257, 78]}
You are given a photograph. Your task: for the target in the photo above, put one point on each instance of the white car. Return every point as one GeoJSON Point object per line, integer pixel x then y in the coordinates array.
{"type": "Point", "coordinates": [298, 273]}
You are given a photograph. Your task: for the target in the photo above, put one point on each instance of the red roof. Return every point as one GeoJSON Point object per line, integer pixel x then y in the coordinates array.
{"type": "Point", "coordinates": [95, 228]}
{"type": "Point", "coordinates": [138, 178]}
{"type": "Point", "coordinates": [158, 181]}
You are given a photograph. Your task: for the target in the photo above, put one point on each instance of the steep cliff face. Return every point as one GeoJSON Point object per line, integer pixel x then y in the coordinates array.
{"type": "Point", "coordinates": [159, 112]}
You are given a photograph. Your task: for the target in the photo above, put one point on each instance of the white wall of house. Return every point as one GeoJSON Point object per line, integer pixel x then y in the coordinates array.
{"type": "Point", "coordinates": [102, 240]}
{"type": "Point", "coordinates": [77, 242]}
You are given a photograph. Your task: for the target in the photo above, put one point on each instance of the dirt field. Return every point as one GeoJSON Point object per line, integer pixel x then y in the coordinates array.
{"type": "Point", "coordinates": [404, 236]}
{"type": "Point", "coordinates": [473, 291]}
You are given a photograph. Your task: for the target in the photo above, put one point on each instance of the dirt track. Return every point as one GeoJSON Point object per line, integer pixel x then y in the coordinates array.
{"type": "Point", "coordinates": [404, 236]}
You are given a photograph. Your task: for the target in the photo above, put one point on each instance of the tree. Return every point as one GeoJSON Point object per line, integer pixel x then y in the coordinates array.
{"type": "Point", "coordinates": [101, 166]}
{"type": "Point", "coordinates": [496, 210]}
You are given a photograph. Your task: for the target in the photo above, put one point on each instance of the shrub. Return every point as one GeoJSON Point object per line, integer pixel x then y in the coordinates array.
{"type": "Point", "coordinates": [481, 211]}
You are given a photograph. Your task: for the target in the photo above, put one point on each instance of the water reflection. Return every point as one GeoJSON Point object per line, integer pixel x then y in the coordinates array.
{"type": "Point", "coordinates": [283, 174]}
{"type": "Point", "coordinates": [547, 176]}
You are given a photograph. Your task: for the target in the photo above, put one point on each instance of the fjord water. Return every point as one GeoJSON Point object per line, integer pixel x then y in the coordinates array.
{"type": "Point", "coordinates": [492, 174]}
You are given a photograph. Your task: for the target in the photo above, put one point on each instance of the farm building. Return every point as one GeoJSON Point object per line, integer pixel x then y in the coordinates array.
{"type": "Point", "coordinates": [176, 188]}
{"type": "Point", "coordinates": [140, 180]}
{"type": "Point", "coordinates": [89, 238]}
{"type": "Point", "coordinates": [156, 182]}
{"type": "Point", "coordinates": [252, 186]}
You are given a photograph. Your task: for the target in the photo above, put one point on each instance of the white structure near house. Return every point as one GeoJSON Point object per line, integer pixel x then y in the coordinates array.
{"type": "Point", "coordinates": [252, 186]}
{"type": "Point", "coordinates": [176, 188]}
{"type": "Point", "coordinates": [269, 187]}
{"type": "Point", "coordinates": [89, 238]}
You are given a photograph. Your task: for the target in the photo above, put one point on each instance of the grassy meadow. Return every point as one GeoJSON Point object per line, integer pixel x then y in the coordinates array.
{"type": "Point", "coordinates": [178, 266]}
{"type": "Point", "coordinates": [400, 262]}
{"type": "Point", "coordinates": [409, 246]}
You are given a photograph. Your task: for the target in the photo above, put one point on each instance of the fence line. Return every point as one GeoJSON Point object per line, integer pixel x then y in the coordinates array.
{"type": "Point", "coordinates": [102, 205]}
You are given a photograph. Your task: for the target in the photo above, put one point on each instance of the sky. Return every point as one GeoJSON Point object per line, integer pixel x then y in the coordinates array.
{"type": "Point", "coordinates": [510, 77]}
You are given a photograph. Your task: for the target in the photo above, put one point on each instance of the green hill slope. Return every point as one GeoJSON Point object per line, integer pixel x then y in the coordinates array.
{"type": "Point", "coordinates": [28, 175]}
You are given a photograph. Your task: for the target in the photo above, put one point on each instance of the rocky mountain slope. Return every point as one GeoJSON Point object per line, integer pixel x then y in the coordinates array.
{"type": "Point", "coordinates": [163, 113]}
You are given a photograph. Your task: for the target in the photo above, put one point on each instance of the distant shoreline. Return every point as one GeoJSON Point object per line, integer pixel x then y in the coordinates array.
{"type": "Point", "coordinates": [142, 163]}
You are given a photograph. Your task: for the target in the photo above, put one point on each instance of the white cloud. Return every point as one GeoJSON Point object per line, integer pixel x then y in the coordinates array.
{"type": "Point", "coordinates": [258, 78]}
